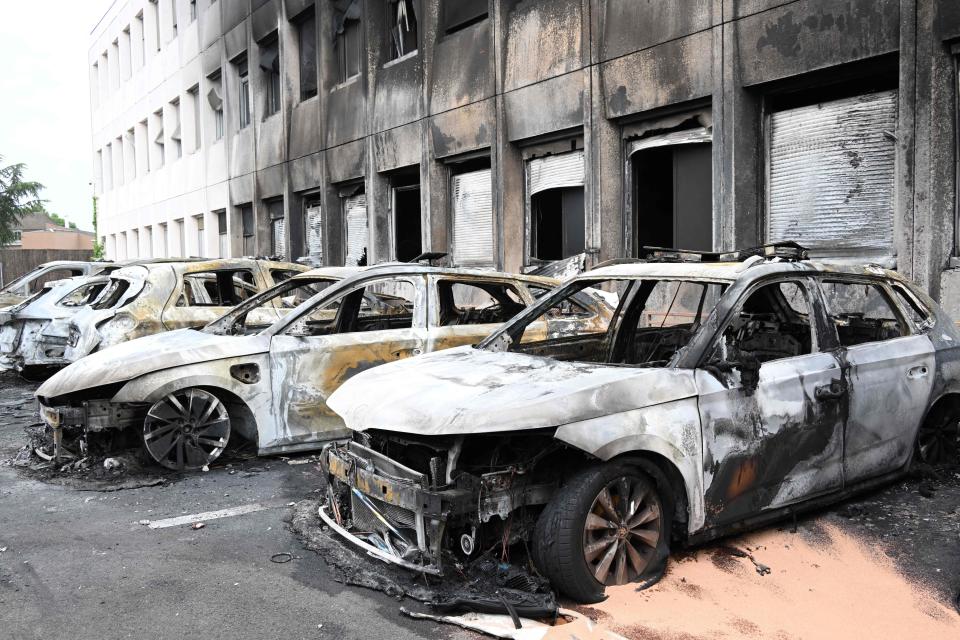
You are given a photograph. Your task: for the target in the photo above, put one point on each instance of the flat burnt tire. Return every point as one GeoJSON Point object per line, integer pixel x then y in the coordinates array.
{"type": "Point", "coordinates": [938, 441]}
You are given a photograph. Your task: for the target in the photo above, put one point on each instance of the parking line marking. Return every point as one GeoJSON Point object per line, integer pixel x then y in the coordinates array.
{"type": "Point", "coordinates": [213, 515]}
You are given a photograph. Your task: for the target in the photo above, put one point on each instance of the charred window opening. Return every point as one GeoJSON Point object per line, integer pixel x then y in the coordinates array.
{"type": "Point", "coordinates": [278, 238]}
{"type": "Point", "coordinates": [460, 14]}
{"type": "Point", "coordinates": [313, 229]}
{"type": "Point", "coordinates": [243, 99]}
{"type": "Point", "coordinates": [673, 191]}
{"type": "Point", "coordinates": [861, 312]}
{"type": "Point", "coordinates": [53, 275]}
{"type": "Point", "coordinates": [376, 306]}
{"type": "Point", "coordinates": [306, 26]}
{"type": "Point", "coordinates": [405, 188]}
{"type": "Point", "coordinates": [555, 192]}
{"type": "Point", "coordinates": [248, 230]}
{"type": "Point", "coordinates": [348, 40]}
{"type": "Point", "coordinates": [356, 235]}
{"type": "Point", "coordinates": [112, 295]}
{"type": "Point", "coordinates": [772, 323]}
{"type": "Point", "coordinates": [224, 288]}
{"type": "Point", "coordinates": [82, 296]}
{"type": "Point", "coordinates": [223, 239]}
{"type": "Point", "coordinates": [402, 23]}
{"type": "Point", "coordinates": [466, 303]}
{"type": "Point", "coordinates": [270, 74]}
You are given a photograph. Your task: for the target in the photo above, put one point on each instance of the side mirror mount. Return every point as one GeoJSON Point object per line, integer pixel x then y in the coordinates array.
{"type": "Point", "coordinates": [749, 368]}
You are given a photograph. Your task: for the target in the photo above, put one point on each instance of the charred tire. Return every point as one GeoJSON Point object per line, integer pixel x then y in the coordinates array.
{"type": "Point", "coordinates": [938, 441]}
{"type": "Point", "coordinates": [607, 525]}
{"type": "Point", "coordinates": [186, 429]}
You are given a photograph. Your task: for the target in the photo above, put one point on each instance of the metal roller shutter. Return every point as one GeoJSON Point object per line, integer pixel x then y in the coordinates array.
{"type": "Point", "coordinates": [314, 234]}
{"type": "Point", "coordinates": [831, 174]}
{"type": "Point", "coordinates": [355, 211]}
{"type": "Point", "coordinates": [279, 239]}
{"type": "Point", "coordinates": [554, 172]}
{"type": "Point", "coordinates": [473, 219]}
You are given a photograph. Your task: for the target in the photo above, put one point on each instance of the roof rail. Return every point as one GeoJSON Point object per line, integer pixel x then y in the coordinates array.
{"type": "Point", "coordinates": [787, 250]}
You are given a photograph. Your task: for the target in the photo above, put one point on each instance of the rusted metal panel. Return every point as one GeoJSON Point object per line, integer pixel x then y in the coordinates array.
{"type": "Point", "coordinates": [473, 219]}
{"type": "Point", "coordinates": [832, 174]}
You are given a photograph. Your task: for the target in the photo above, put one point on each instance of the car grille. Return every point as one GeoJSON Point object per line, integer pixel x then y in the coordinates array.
{"type": "Point", "coordinates": [365, 520]}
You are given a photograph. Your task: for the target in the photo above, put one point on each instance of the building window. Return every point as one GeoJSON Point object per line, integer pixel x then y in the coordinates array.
{"type": "Point", "coordinates": [193, 10]}
{"type": "Point", "coordinates": [215, 100]}
{"type": "Point", "coordinates": [118, 171]}
{"type": "Point", "coordinates": [405, 207]}
{"type": "Point", "coordinates": [247, 226]}
{"type": "Point", "coordinates": [555, 208]}
{"type": "Point", "coordinates": [164, 240]}
{"type": "Point", "coordinates": [201, 243]}
{"type": "Point", "coordinates": [194, 93]}
{"type": "Point", "coordinates": [154, 11]}
{"type": "Point", "coordinates": [460, 14]}
{"type": "Point", "coordinates": [173, 18]}
{"type": "Point", "coordinates": [143, 162]}
{"type": "Point", "coordinates": [349, 43]}
{"type": "Point", "coordinates": [175, 133]}
{"type": "Point", "coordinates": [270, 67]}
{"type": "Point", "coordinates": [278, 243]}
{"type": "Point", "coordinates": [402, 22]}
{"type": "Point", "coordinates": [141, 38]}
{"type": "Point", "coordinates": [672, 190]}
{"type": "Point", "coordinates": [181, 237]}
{"type": "Point", "coordinates": [222, 238]}
{"type": "Point", "coordinates": [307, 46]}
{"type": "Point", "coordinates": [831, 175]}
{"type": "Point", "coordinates": [126, 64]}
{"type": "Point", "coordinates": [107, 168]}
{"type": "Point", "coordinates": [354, 203]}
{"type": "Point", "coordinates": [243, 101]}
{"type": "Point", "coordinates": [135, 244]}
{"type": "Point", "coordinates": [472, 203]}
{"type": "Point", "coordinates": [148, 233]}
{"type": "Point", "coordinates": [313, 230]}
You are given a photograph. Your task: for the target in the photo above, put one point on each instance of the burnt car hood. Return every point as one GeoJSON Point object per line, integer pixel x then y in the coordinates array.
{"type": "Point", "coordinates": [129, 360]}
{"type": "Point", "coordinates": [466, 390]}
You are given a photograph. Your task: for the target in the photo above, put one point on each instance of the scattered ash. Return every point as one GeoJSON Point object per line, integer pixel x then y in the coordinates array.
{"type": "Point", "coordinates": [480, 585]}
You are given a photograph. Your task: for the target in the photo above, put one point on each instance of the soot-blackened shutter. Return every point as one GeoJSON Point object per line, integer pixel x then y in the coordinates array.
{"type": "Point", "coordinates": [555, 172]}
{"type": "Point", "coordinates": [473, 219]}
{"type": "Point", "coordinates": [355, 212]}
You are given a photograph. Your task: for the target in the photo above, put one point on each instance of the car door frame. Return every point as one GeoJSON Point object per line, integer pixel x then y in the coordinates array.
{"type": "Point", "coordinates": [729, 473]}
{"type": "Point", "coordinates": [259, 281]}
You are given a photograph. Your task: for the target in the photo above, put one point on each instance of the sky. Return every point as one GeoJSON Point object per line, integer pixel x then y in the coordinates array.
{"type": "Point", "coordinates": [45, 98]}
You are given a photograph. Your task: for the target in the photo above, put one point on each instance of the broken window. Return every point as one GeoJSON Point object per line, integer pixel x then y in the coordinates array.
{"type": "Point", "coordinates": [465, 303]}
{"type": "Point", "coordinates": [270, 67]}
{"type": "Point", "coordinates": [460, 14]}
{"type": "Point", "coordinates": [355, 226]}
{"type": "Point", "coordinates": [406, 215]}
{"type": "Point", "coordinates": [773, 322]}
{"type": "Point", "coordinates": [225, 288]}
{"type": "Point", "coordinates": [289, 294]}
{"type": "Point", "coordinates": [861, 312]}
{"type": "Point", "coordinates": [402, 22]}
{"type": "Point", "coordinates": [307, 45]}
{"type": "Point", "coordinates": [278, 240]}
{"type": "Point", "coordinates": [472, 202]}
{"type": "Point", "coordinates": [830, 181]}
{"type": "Point", "coordinates": [313, 231]}
{"type": "Point", "coordinates": [82, 296]}
{"type": "Point", "coordinates": [672, 190]}
{"type": "Point", "coordinates": [918, 312]}
{"type": "Point", "coordinates": [248, 230]}
{"type": "Point", "coordinates": [348, 43]}
{"type": "Point", "coordinates": [375, 306]}
{"type": "Point", "coordinates": [556, 205]}
{"type": "Point", "coordinates": [243, 99]}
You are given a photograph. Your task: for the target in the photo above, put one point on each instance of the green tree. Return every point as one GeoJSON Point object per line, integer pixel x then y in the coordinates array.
{"type": "Point", "coordinates": [58, 219]}
{"type": "Point", "coordinates": [17, 198]}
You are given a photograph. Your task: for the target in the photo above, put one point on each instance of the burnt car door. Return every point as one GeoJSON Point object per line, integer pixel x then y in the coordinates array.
{"type": "Point", "coordinates": [376, 321]}
{"type": "Point", "coordinates": [772, 403]}
{"type": "Point", "coordinates": [890, 370]}
{"type": "Point", "coordinates": [466, 310]}
{"type": "Point", "coordinates": [204, 294]}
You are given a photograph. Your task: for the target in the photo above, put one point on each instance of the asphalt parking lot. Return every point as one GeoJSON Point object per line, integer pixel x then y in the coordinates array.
{"type": "Point", "coordinates": [80, 560]}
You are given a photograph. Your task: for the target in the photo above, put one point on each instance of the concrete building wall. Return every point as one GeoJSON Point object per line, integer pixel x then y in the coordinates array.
{"type": "Point", "coordinates": [517, 84]}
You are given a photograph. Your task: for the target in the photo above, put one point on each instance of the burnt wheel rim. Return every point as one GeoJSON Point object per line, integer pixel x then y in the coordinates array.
{"type": "Point", "coordinates": [186, 429]}
{"type": "Point", "coordinates": [939, 441]}
{"type": "Point", "coordinates": [622, 531]}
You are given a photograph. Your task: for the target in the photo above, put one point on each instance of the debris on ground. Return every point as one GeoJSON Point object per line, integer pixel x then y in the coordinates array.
{"type": "Point", "coordinates": [568, 625]}
{"type": "Point", "coordinates": [197, 525]}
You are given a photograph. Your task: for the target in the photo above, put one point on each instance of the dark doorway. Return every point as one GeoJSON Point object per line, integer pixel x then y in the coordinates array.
{"type": "Point", "coordinates": [673, 196]}
{"type": "Point", "coordinates": [406, 214]}
{"type": "Point", "coordinates": [558, 221]}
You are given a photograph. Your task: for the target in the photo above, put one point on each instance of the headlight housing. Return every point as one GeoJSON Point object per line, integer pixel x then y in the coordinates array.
{"type": "Point", "coordinates": [116, 329]}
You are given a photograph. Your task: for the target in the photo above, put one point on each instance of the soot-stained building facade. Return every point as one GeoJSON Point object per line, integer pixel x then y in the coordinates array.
{"type": "Point", "coordinates": [508, 133]}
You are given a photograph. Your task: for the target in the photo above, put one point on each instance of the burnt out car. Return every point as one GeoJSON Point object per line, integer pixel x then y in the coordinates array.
{"type": "Point", "coordinates": [721, 394]}
{"type": "Point", "coordinates": [189, 392]}
{"type": "Point", "coordinates": [33, 282]}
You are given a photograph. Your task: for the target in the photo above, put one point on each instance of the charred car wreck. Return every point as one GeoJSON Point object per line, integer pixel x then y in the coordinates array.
{"type": "Point", "coordinates": [721, 394]}
{"type": "Point", "coordinates": [264, 370]}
